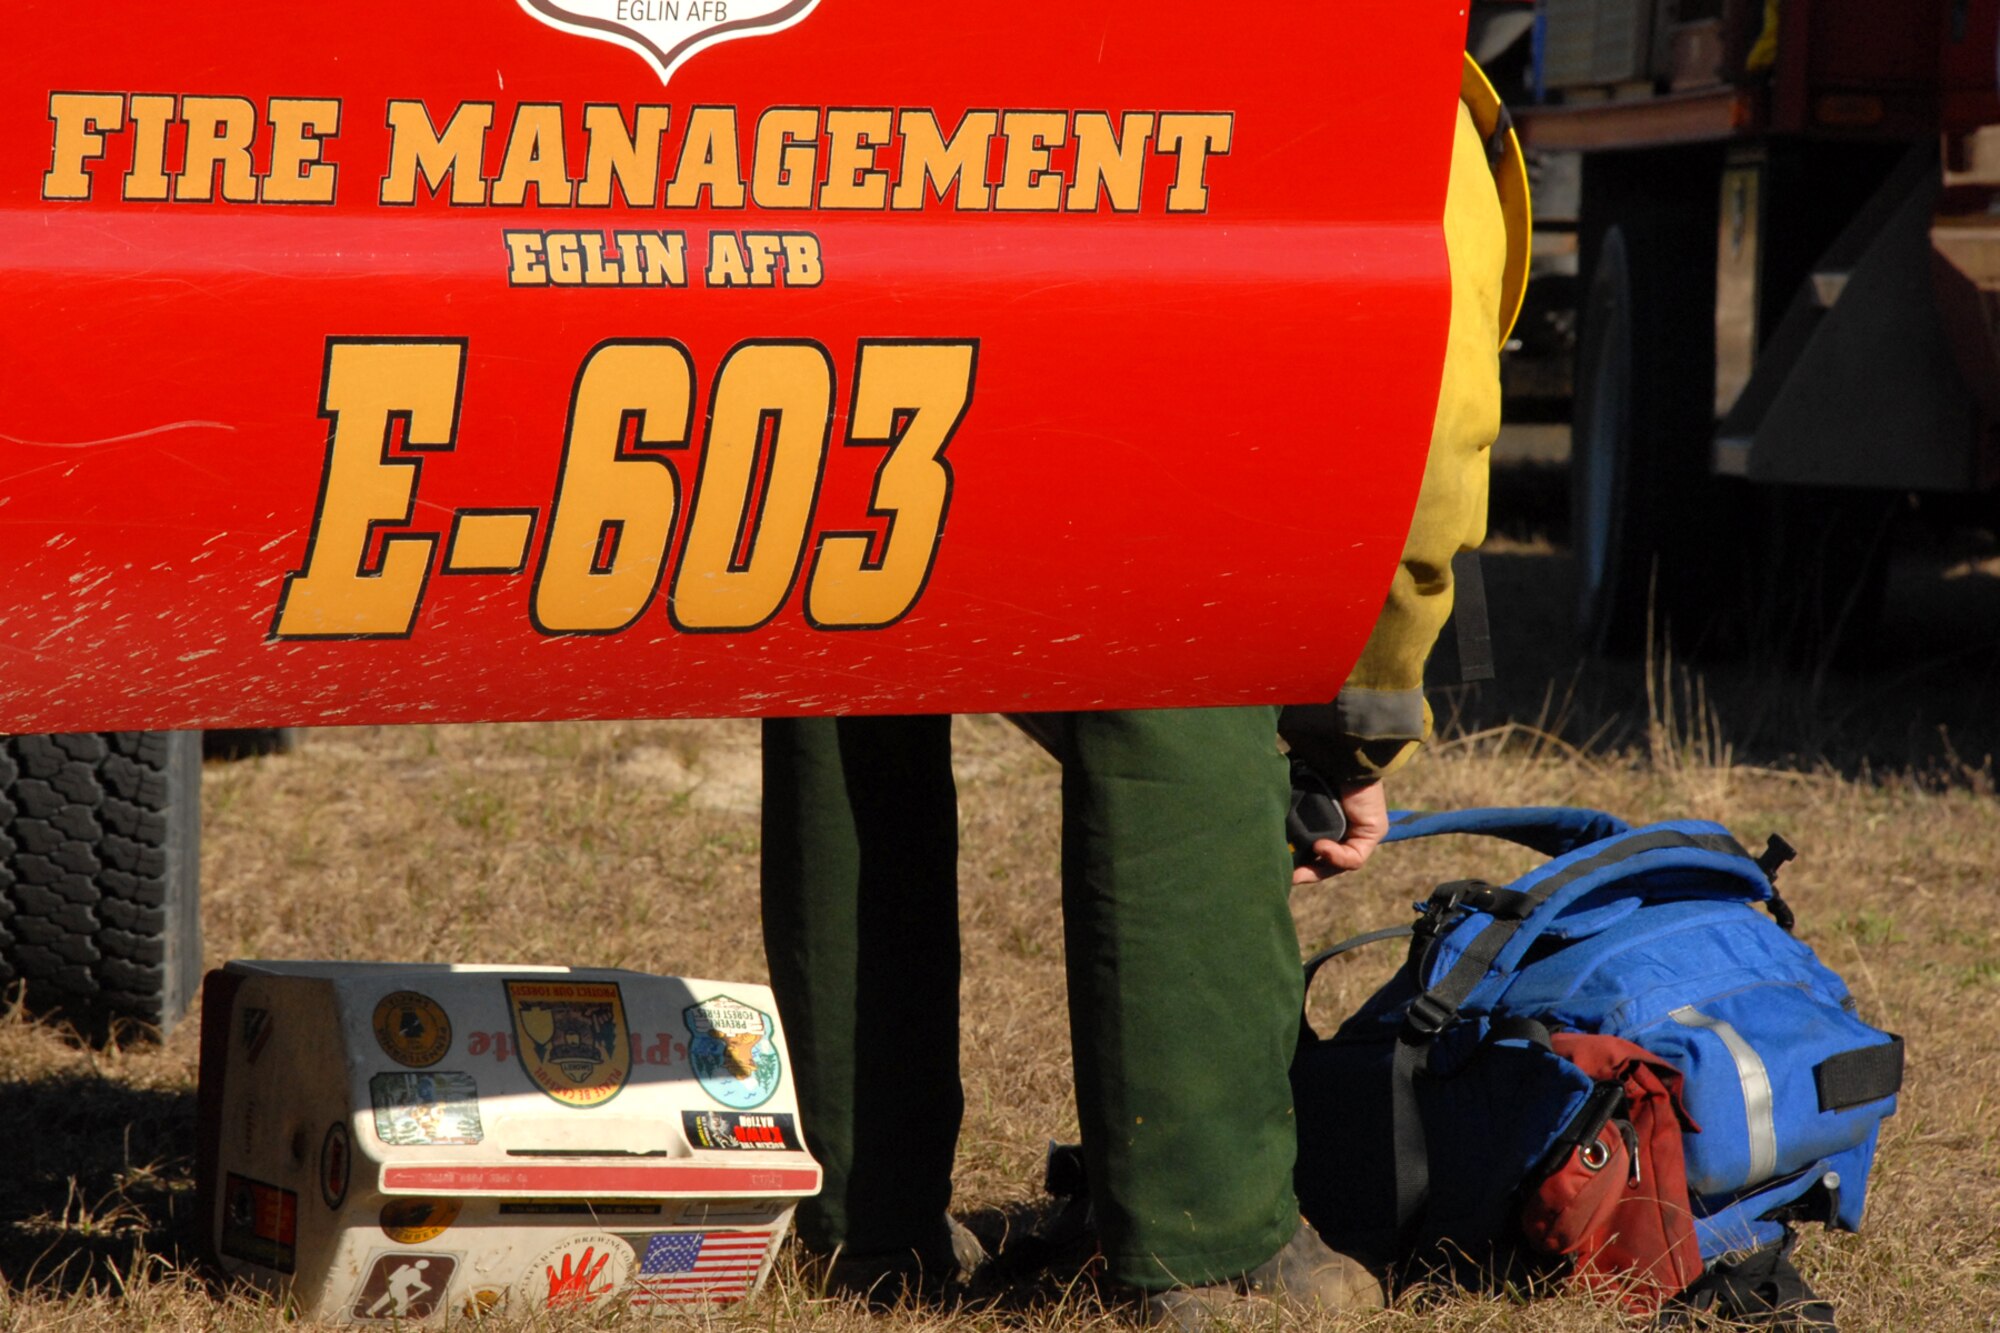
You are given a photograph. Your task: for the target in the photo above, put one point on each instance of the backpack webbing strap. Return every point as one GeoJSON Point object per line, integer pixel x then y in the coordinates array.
{"type": "Point", "coordinates": [1436, 1008]}
{"type": "Point", "coordinates": [1599, 1105]}
{"type": "Point", "coordinates": [1531, 1030]}
{"type": "Point", "coordinates": [1865, 1075]}
{"type": "Point", "coordinates": [1409, 1150]}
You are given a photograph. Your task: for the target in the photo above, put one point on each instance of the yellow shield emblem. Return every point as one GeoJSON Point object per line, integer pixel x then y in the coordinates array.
{"type": "Point", "coordinates": [572, 1039]}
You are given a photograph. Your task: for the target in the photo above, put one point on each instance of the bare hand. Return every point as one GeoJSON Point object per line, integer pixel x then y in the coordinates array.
{"type": "Point", "coordinates": [1366, 806]}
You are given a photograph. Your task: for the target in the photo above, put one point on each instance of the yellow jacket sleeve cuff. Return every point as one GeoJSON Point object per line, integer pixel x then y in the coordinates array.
{"type": "Point", "coordinates": [1362, 736]}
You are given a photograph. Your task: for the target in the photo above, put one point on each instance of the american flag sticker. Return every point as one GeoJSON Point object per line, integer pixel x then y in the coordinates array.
{"type": "Point", "coordinates": [690, 1267]}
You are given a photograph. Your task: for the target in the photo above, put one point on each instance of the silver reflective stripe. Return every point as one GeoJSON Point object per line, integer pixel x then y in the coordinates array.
{"type": "Point", "coordinates": [1756, 1081]}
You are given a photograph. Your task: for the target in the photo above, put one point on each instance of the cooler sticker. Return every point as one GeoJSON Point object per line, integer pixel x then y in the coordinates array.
{"type": "Point", "coordinates": [731, 1050]}
{"type": "Point", "coordinates": [735, 1129]}
{"type": "Point", "coordinates": [412, 1029]}
{"type": "Point", "coordinates": [687, 1267]}
{"type": "Point", "coordinates": [336, 1164]}
{"type": "Point", "coordinates": [404, 1286]}
{"type": "Point", "coordinates": [417, 1110]}
{"type": "Point", "coordinates": [583, 1269]}
{"type": "Point", "coordinates": [260, 1223]}
{"type": "Point", "coordinates": [571, 1038]}
{"type": "Point", "coordinates": [256, 1028]}
{"type": "Point", "coordinates": [667, 33]}
{"type": "Point", "coordinates": [579, 1208]}
{"type": "Point", "coordinates": [418, 1221]}
{"type": "Point", "coordinates": [484, 1301]}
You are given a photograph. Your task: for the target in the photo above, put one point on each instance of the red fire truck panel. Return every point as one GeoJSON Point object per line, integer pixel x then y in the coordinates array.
{"type": "Point", "coordinates": [571, 358]}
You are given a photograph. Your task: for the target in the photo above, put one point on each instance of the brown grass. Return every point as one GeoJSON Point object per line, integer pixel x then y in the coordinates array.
{"type": "Point", "coordinates": [635, 844]}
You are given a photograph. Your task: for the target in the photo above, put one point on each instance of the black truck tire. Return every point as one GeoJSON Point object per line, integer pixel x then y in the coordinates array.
{"type": "Point", "coordinates": [100, 854]}
{"type": "Point", "coordinates": [1609, 560]}
{"type": "Point", "coordinates": [1667, 552]}
{"type": "Point", "coordinates": [1647, 521]}
{"type": "Point", "coordinates": [1657, 537]}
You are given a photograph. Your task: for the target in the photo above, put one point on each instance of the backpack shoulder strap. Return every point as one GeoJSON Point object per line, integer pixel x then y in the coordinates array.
{"type": "Point", "coordinates": [1552, 830]}
{"type": "Point", "coordinates": [1463, 959]}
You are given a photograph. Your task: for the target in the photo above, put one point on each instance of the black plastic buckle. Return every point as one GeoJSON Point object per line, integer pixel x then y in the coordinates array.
{"type": "Point", "coordinates": [1430, 920]}
{"type": "Point", "coordinates": [1473, 893]}
{"type": "Point", "coordinates": [1427, 1015]}
{"type": "Point", "coordinates": [1776, 852]}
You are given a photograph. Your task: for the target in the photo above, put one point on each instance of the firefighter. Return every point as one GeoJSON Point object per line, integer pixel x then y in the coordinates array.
{"type": "Point", "coordinates": [1181, 956]}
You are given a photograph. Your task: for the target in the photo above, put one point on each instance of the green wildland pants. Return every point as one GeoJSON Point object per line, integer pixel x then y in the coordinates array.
{"type": "Point", "coordinates": [1182, 961]}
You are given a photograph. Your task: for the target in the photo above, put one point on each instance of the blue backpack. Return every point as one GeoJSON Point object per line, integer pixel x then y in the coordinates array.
{"type": "Point", "coordinates": [1670, 936]}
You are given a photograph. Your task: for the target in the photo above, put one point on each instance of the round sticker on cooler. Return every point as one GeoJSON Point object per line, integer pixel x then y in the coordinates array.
{"type": "Point", "coordinates": [336, 1164]}
{"type": "Point", "coordinates": [414, 1221]}
{"type": "Point", "coordinates": [412, 1029]}
{"type": "Point", "coordinates": [584, 1268]}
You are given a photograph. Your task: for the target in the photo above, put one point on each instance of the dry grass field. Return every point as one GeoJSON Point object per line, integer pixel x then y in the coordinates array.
{"type": "Point", "coordinates": [635, 845]}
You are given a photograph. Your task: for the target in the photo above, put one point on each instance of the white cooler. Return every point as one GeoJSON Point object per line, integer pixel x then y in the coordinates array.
{"type": "Point", "coordinates": [404, 1141]}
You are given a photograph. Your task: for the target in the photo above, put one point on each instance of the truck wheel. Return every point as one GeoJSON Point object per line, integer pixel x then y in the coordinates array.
{"type": "Point", "coordinates": [100, 849]}
{"type": "Point", "coordinates": [1652, 530]}
{"type": "Point", "coordinates": [1599, 476]}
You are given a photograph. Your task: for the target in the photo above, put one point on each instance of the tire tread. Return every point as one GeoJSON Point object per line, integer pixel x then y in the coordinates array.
{"type": "Point", "coordinates": [99, 845]}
